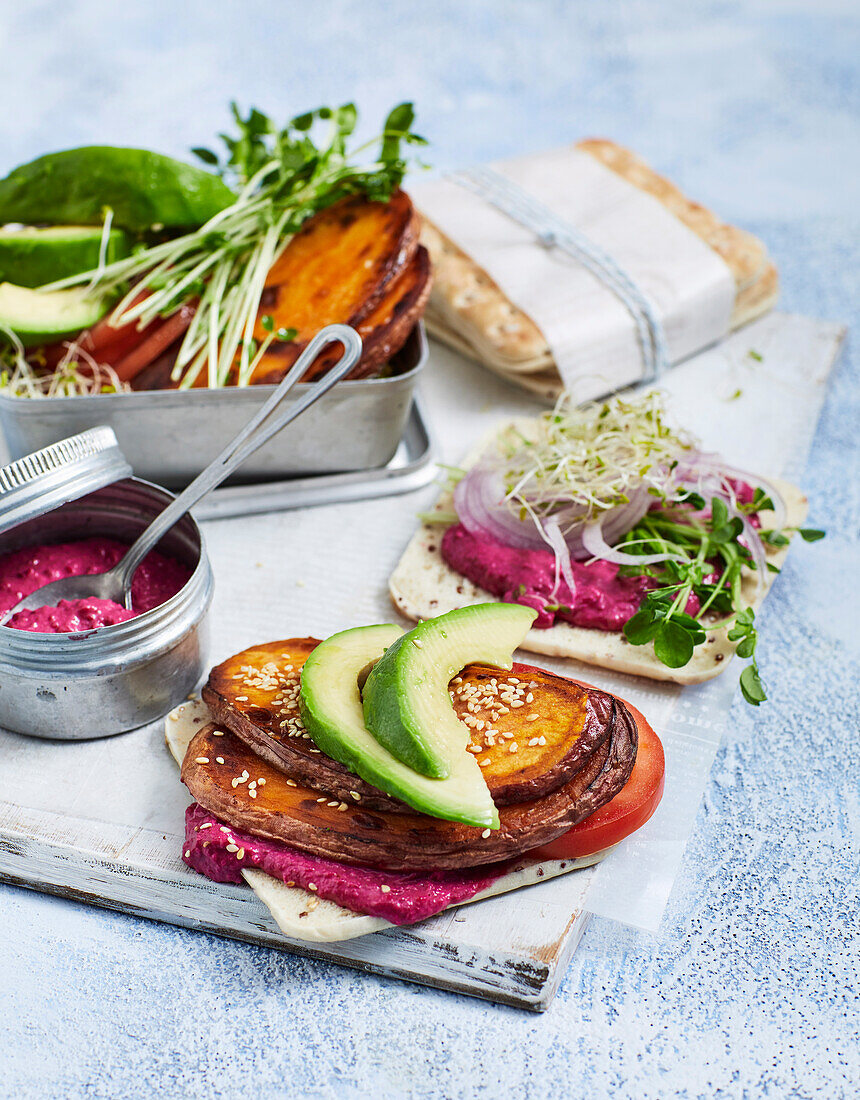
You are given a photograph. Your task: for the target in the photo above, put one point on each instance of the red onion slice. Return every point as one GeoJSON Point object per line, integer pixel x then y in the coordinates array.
{"type": "Point", "coordinates": [704, 467]}
{"type": "Point", "coordinates": [479, 500]}
{"type": "Point", "coordinates": [562, 556]}
{"type": "Point", "coordinates": [597, 546]}
{"type": "Point", "coordinates": [756, 549]}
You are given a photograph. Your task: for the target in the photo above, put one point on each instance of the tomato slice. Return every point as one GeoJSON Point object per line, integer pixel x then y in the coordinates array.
{"type": "Point", "coordinates": [626, 812]}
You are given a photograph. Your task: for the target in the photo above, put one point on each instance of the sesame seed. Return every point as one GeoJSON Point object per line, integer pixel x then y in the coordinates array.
{"type": "Point", "coordinates": [205, 843]}
{"type": "Point", "coordinates": [252, 792]}
{"type": "Point", "coordinates": [290, 783]}
{"type": "Point", "coordinates": [232, 848]}
{"type": "Point", "coordinates": [320, 800]}
{"type": "Point", "coordinates": [343, 806]}
{"type": "Point", "coordinates": [240, 854]}
{"type": "Point", "coordinates": [290, 883]}
{"type": "Point", "coordinates": [261, 781]}
{"type": "Point", "coordinates": [541, 740]}
{"type": "Point", "coordinates": [217, 733]}
{"type": "Point", "coordinates": [533, 742]}
{"type": "Point", "coordinates": [219, 759]}
{"type": "Point", "coordinates": [312, 886]}
{"type": "Point", "coordinates": [202, 760]}
{"type": "Point", "coordinates": [483, 763]}
{"type": "Point", "coordinates": [513, 747]}
{"type": "Point", "coordinates": [532, 717]}
{"type": "Point", "coordinates": [417, 644]}
{"type": "Point", "coordinates": [530, 698]}
{"type": "Point", "coordinates": [355, 795]}
{"type": "Point", "coordinates": [206, 825]}
{"type": "Point", "coordinates": [485, 833]}
{"type": "Point", "coordinates": [187, 854]}
{"type": "Point", "coordinates": [174, 717]}
{"type": "Point", "coordinates": [385, 888]}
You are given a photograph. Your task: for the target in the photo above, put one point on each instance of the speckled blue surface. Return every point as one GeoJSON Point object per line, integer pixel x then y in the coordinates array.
{"type": "Point", "coordinates": [751, 986]}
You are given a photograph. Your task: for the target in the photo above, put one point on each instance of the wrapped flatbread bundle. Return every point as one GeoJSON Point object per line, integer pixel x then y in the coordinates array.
{"type": "Point", "coordinates": [534, 315]}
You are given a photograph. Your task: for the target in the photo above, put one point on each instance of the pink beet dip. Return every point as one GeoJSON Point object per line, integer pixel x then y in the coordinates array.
{"type": "Point", "coordinates": [23, 571]}
{"type": "Point", "coordinates": [410, 897]}
{"type": "Point", "coordinates": [603, 600]}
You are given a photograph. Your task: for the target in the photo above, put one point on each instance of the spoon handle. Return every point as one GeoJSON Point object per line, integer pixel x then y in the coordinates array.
{"type": "Point", "coordinates": [256, 432]}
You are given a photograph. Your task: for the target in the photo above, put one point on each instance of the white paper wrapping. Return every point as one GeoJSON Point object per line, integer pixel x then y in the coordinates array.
{"type": "Point", "coordinates": [590, 332]}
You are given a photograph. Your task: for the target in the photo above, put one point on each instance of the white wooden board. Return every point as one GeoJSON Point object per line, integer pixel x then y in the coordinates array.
{"type": "Point", "coordinates": [102, 821]}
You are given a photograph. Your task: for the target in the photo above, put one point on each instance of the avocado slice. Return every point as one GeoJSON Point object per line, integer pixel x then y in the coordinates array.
{"type": "Point", "coordinates": [44, 316]}
{"type": "Point", "coordinates": [145, 190]}
{"type": "Point", "coordinates": [406, 703]}
{"type": "Point", "coordinates": [330, 704]}
{"type": "Point", "coordinates": [32, 256]}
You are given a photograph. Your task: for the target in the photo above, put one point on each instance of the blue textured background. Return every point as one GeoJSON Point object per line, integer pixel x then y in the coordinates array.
{"type": "Point", "coordinates": [751, 987]}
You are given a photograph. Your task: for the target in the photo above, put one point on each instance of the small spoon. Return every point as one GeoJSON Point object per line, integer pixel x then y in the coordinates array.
{"type": "Point", "coordinates": [115, 584]}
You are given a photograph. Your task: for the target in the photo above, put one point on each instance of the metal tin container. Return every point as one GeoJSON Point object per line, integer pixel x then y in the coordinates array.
{"type": "Point", "coordinates": [169, 436]}
{"type": "Point", "coordinates": [99, 682]}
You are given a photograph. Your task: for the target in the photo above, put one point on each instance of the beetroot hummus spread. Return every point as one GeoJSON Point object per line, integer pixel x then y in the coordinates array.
{"type": "Point", "coordinates": [603, 600]}
{"type": "Point", "coordinates": [396, 896]}
{"type": "Point", "coordinates": [23, 571]}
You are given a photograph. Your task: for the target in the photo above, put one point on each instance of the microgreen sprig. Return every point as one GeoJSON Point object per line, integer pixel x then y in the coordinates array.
{"type": "Point", "coordinates": [708, 559]}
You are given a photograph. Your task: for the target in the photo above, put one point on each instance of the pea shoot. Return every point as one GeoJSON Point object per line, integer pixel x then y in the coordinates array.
{"type": "Point", "coordinates": [705, 576]}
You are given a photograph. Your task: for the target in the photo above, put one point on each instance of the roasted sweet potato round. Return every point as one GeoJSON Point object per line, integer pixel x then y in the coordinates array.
{"type": "Point", "coordinates": [237, 786]}
{"type": "Point", "coordinates": [531, 730]}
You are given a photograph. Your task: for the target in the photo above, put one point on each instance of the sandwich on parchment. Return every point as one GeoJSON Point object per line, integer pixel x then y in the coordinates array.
{"type": "Point", "coordinates": [471, 312]}
{"type": "Point", "coordinates": [639, 552]}
{"type": "Point", "coordinates": [378, 777]}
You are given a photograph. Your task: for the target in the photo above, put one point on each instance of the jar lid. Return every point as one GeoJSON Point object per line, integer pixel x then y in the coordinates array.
{"type": "Point", "coordinates": [68, 470]}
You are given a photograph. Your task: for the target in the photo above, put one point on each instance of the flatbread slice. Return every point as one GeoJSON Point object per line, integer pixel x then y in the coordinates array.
{"type": "Point", "coordinates": [424, 585]}
{"type": "Point", "coordinates": [301, 915]}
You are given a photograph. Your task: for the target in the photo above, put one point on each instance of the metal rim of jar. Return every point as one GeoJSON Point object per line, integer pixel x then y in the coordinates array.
{"type": "Point", "coordinates": [109, 649]}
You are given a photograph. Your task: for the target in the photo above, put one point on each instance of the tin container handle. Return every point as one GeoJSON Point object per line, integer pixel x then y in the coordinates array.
{"type": "Point", "coordinates": [257, 431]}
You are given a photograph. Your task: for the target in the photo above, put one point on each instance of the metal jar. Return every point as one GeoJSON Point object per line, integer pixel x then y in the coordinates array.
{"type": "Point", "coordinates": [101, 682]}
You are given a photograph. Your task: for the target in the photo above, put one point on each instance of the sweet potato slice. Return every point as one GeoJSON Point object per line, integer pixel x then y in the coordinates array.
{"type": "Point", "coordinates": [356, 263]}
{"type": "Point", "coordinates": [237, 786]}
{"type": "Point", "coordinates": [339, 265]}
{"type": "Point", "coordinates": [383, 332]}
{"type": "Point", "coordinates": [532, 731]}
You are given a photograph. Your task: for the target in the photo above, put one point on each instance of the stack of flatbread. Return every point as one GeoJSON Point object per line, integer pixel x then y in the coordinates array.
{"type": "Point", "coordinates": [535, 316]}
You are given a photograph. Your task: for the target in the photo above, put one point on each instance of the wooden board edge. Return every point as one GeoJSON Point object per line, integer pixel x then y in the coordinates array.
{"type": "Point", "coordinates": [95, 875]}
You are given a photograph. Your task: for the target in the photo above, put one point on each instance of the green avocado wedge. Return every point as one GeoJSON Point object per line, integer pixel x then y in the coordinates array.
{"type": "Point", "coordinates": [33, 256]}
{"type": "Point", "coordinates": [144, 190]}
{"type": "Point", "coordinates": [406, 703]}
{"type": "Point", "coordinates": [45, 316]}
{"type": "Point", "coordinates": [330, 703]}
